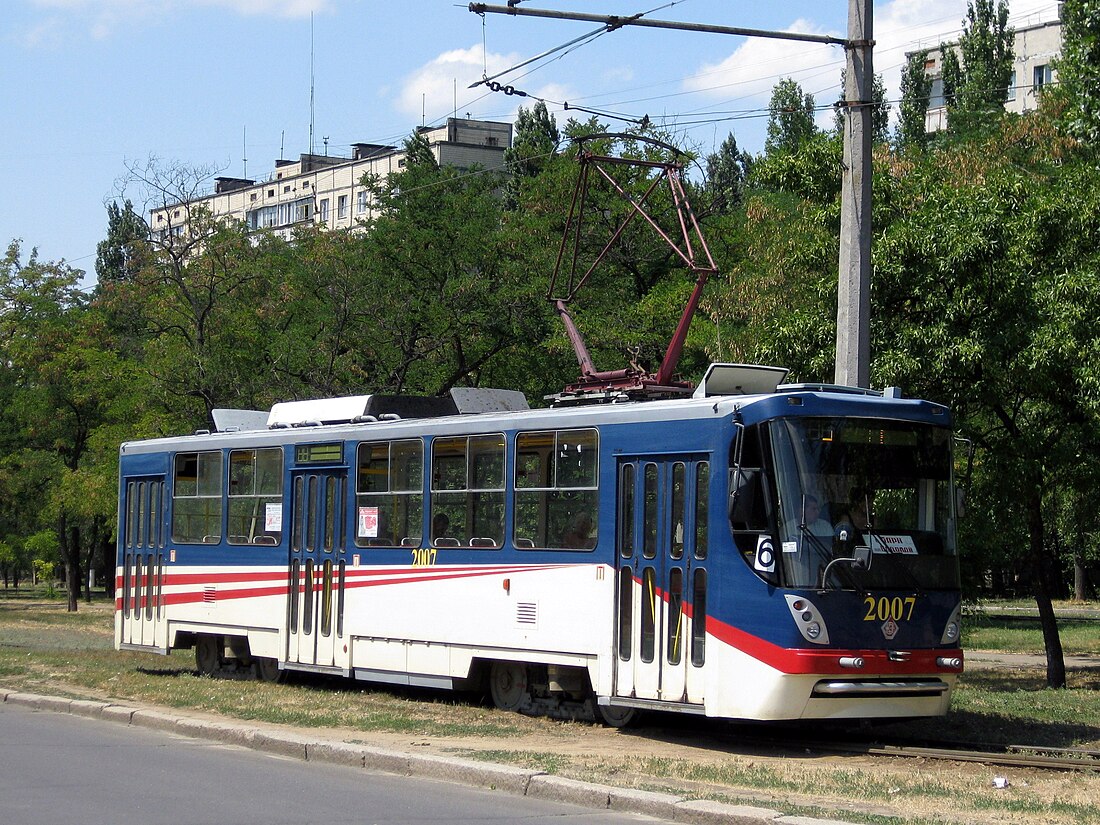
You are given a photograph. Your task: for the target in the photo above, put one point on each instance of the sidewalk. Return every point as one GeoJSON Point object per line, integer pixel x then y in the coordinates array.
{"type": "Point", "coordinates": [314, 746]}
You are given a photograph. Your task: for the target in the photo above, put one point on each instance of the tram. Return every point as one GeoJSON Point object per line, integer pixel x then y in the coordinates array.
{"type": "Point", "coordinates": [754, 550]}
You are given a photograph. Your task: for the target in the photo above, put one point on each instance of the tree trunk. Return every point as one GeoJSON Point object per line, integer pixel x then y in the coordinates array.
{"type": "Point", "coordinates": [1056, 664]}
{"type": "Point", "coordinates": [89, 564]}
{"type": "Point", "coordinates": [70, 554]}
{"type": "Point", "coordinates": [1082, 589]}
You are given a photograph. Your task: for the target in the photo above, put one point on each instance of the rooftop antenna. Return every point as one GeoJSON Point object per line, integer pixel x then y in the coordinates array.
{"type": "Point", "coordinates": [244, 153]}
{"type": "Point", "coordinates": [423, 107]}
{"type": "Point", "coordinates": [325, 139]}
{"type": "Point", "coordinates": [311, 83]}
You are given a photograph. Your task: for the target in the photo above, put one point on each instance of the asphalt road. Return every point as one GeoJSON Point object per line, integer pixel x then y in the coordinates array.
{"type": "Point", "coordinates": [60, 769]}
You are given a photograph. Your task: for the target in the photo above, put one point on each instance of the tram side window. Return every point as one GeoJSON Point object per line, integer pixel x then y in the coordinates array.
{"type": "Point", "coordinates": [389, 494]}
{"type": "Point", "coordinates": [197, 498]}
{"type": "Point", "coordinates": [468, 491]}
{"type": "Point", "coordinates": [256, 496]}
{"type": "Point", "coordinates": [556, 491]}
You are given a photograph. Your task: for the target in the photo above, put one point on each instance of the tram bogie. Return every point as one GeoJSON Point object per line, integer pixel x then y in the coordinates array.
{"type": "Point", "coordinates": [783, 554]}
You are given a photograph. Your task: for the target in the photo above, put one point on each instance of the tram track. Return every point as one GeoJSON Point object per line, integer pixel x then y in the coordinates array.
{"type": "Point", "coordinates": [1017, 756]}
{"type": "Point", "coordinates": [1009, 756]}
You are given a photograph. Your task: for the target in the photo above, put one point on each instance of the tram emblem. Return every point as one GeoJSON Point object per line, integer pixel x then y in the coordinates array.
{"type": "Point", "coordinates": [889, 629]}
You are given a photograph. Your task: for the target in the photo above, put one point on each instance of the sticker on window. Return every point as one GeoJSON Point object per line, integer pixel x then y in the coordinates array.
{"type": "Point", "coordinates": [273, 517]}
{"type": "Point", "coordinates": [368, 523]}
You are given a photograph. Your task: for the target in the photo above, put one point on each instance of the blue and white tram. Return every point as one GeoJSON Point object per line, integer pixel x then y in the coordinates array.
{"type": "Point", "coordinates": [784, 553]}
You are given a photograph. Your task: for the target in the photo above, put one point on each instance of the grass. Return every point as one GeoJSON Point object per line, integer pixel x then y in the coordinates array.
{"type": "Point", "coordinates": [1021, 634]}
{"type": "Point", "coordinates": [44, 649]}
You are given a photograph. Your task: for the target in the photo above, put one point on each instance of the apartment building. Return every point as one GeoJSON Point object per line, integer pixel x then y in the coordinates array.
{"type": "Point", "coordinates": [328, 190]}
{"type": "Point", "coordinates": [1037, 44]}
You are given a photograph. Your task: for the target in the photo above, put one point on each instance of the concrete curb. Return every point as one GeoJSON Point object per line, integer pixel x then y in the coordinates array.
{"type": "Point", "coordinates": [512, 780]}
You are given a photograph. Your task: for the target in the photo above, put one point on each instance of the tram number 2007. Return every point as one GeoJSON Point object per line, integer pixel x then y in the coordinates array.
{"type": "Point", "coordinates": [423, 556]}
{"type": "Point", "coordinates": [884, 608]}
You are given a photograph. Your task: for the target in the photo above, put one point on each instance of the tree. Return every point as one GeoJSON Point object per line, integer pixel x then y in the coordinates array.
{"type": "Point", "coordinates": [976, 77]}
{"type": "Point", "coordinates": [880, 109]}
{"type": "Point", "coordinates": [120, 255]}
{"type": "Point", "coordinates": [1079, 69]}
{"type": "Point", "coordinates": [986, 283]}
{"type": "Point", "coordinates": [534, 145]}
{"type": "Point", "coordinates": [726, 174]}
{"type": "Point", "coordinates": [57, 363]}
{"type": "Point", "coordinates": [418, 151]}
{"type": "Point", "coordinates": [916, 89]}
{"type": "Point", "coordinates": [790, 119]}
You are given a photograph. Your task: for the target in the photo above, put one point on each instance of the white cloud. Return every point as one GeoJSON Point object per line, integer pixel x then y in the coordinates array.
{"type": "Point", "coordinates": [433, 88]}
{"type": "Point", "coordinates": [750, 72]}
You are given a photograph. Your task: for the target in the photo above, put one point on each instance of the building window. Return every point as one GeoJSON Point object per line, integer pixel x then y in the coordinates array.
{"type": "Point", "coordinates": [1041, 76]}
{"type": "Point", "coordinates": [361, 202]}
{"type": "Point", "coordinates": [271, 193]}
{"type": "Point", "coordinates": [197, 498]}
{"type": "Point", "coordinates": [305, 184]}
{"type": "Point", "coordinates": [342, 207]}
{"type": "Point", "coordinates": [935, 97]}
{"type": "Point", "coordinates": [322, 210]}
{"type": "Point", "coordinates": [256, 496]}
{"type": "Point", "coordinates": [286, 189]}
{"type": "Point", "coordinates": [252, 197]}
{"type": "Point", "coordinates": [1010, 93]}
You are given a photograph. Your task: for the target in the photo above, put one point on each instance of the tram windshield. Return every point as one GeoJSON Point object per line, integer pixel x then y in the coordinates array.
{"type": "Point", "coordinates": [850, 488]}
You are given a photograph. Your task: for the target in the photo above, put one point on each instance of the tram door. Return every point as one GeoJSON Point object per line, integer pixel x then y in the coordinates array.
{"type": "Point", "coordinates": [662, 578]}
{"type": "Point", "coordinates": [143, 537]}
{"type": "Point", "coordinates": [315, 597]}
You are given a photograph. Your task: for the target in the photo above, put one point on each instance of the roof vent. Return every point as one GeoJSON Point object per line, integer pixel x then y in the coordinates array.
{"type": "Point", "coordinates": [319, 411]}
{"type": "Point", "coordinates": [739, 379]}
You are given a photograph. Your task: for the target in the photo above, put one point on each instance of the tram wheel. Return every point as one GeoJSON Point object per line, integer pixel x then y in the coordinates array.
{"type": "Point", "coordinates": [508, 685]}
{"type": "Point", "coordinates": [267, 670]}
{"type": "Point", "coordinates": [208, 654]}
{"type": "Point", "coordinates": [616, 716]}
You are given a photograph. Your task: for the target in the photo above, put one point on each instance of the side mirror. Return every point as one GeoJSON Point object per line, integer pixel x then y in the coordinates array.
{"type": "Point", "coordinates": [861, 557]}
{"type": "Point", "coordinates": [743, 496]}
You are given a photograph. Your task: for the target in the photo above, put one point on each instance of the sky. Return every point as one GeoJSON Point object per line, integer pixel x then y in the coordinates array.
{"type": "Point", "coordinates": [92, 88]}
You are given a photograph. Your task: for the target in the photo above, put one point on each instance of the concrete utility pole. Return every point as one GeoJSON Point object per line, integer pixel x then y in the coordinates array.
{"type": "Point", "coordinates": [853, 334]}
{"type": "Point", "coordinates": [853, 337]}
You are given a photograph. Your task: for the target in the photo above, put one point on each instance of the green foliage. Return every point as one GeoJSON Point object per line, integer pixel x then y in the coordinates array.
{"type": "Point", "coordinates": [1079, 69]}
{"type": "Point", "coordinates": [120, 255]}
{"type": "Point", "coordinates": [418, 151]}
{"type": "Point", "coordinates": [791, 118]}
{"type": "Point", "coordinates": [812, 171]}
{"type": "Point", "coordinates": [976, 77]}
{"type": "Point", "coordinates": [534, 145]}
{"type": "Point", "coordinates": [880, 108]}
{"type": "Point", "coordinates": [916, 88]}
{"type": "Point", "coordinates": [726, 173]}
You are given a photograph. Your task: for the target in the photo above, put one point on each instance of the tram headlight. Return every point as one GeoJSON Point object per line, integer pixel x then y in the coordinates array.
{"type": "Point", "coordinates": [808, 619]}
{"type": "Point", "coordinates": [953, 629]}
